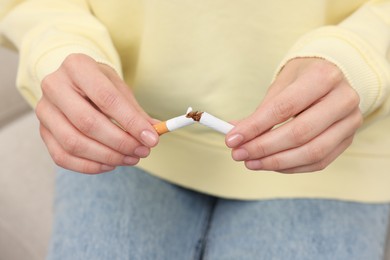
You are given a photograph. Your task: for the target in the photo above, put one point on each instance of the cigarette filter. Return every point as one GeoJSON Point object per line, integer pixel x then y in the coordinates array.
{"type": "Point", "coordinates": [174, 123]}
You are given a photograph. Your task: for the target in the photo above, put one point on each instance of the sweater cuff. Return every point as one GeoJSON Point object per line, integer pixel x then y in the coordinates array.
{"type": "Point", "coordinates": [355, 58]}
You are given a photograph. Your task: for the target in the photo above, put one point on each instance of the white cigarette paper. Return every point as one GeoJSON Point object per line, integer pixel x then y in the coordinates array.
{"type": "Point", "coordinates": [174, 123]}
{"type": "Point", "coordinates": [215, 123]}
{"type": "Point", "coordinates": [178, 122]}
{"type": "Point", "coordinates": [189, 118]}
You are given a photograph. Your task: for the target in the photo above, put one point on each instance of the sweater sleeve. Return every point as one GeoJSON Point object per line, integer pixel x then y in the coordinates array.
{"type": "Point", "coordinates": [45, 32]}
{"type": "Point", "coordinates": [360, 47]}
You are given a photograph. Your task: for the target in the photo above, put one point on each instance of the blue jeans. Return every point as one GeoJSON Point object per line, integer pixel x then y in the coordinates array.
{"type": "Point", "coordinates": [129, 214]}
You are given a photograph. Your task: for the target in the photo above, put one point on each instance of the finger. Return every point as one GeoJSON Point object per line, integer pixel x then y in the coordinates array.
{"type": "Point", "coordinates": [312, 152]}
{"type": "Point", "coordinates": [277, 110]}
{"type": "Point", "coordinates": [300, 84]}
{"type": "Point", "coordinates": [110, 101]}
{"type": "Point", "coordinates": [65, 160]}
{"type": "Point", "coordinates": [75, 143]}
{"type": "Point", "coordinates": [303, 128]}
{"type": "Point", "coordinates": [87, 119]}
{"type": "Point", "coordinates": [282, 164]}
{"type": "Point", "coordinates": [318, 166]}
{"type": "Point", "coordinates": [126, 92]}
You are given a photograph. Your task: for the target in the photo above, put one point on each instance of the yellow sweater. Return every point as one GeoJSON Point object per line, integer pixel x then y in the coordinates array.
{"type": "Point", "coordinates": [220, 57]}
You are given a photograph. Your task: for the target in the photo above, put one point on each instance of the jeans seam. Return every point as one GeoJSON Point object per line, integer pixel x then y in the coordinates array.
{"type": "Point", "coordinates": [201, 245]}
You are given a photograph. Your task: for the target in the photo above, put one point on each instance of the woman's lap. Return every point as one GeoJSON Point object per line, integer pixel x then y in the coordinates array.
{"type": "Point", "coordinates": [298, 229]}
{"type": "Point", "coordinates": [126, 214]}
{"type": "Point", "coordinates": [129, 214]}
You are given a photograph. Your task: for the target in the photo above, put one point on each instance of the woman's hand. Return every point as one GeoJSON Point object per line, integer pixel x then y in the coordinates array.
{"type": "Point", "coordinates": [78, 101]}
{"type": "Point", "coordinates": [319, 114]}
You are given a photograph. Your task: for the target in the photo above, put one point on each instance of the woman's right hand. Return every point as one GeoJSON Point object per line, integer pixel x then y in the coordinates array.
{"type": "Point", "coordinates": [75, 111]}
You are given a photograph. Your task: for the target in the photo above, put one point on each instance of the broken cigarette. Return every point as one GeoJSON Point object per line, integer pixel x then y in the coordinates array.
{"type": "Point", "coordinates": [211, 121]}
{"type": "Point", "coordinates": [191, 117]}
{"type": "Point", "coordinates": [174, 123]}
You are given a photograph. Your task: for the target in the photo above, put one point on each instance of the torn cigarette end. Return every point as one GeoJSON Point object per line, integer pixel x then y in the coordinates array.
{"type": "Point", "coordinates": [161, 128]}
{"type": "Point", "coordinates": [195, 115]}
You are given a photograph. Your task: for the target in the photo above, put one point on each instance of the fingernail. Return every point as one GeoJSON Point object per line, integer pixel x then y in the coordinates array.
{"type": "Point", "coordinates": [142, 151]}
{"type": "Point", "coordinates": [107, 168]}
{"type": "Point", "coordinates": [149, 138]}
{"type": "Point", "coordinates": [240, 154]}
{"type": "Point", "coordinates": [130, 160]}
{"type": "Point", "coordinates": [234, 140]}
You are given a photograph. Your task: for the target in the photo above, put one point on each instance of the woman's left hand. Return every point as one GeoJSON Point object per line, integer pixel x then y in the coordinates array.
{"type": "Point", "coordinates": [316, 112]}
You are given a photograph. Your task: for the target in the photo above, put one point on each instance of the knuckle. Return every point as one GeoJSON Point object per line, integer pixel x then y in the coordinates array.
{"type": "Point", "coordinates": [60, 158]}
{"type": "Point", "coordinates": [107, 100]}
{"type": "Point", "coordinates": [252, 126]}
{"type": "Point", "coordinates": [354, 98]}
{"type": "Point", "coordinates": [89, 168]}
{"type": "Point", "coordinates": [111, 159]}
{"type": "Point", "coordinates": [73, 59]}
{"type": "Point", "coordinates": [349, 141]}
{"type": "Point", "coordinates": [48, 83]}
{"type": "Point", "coordinates": [255, 126]}
{"type": "Point", "coordinates": [273, 163]}
{"type": "Point", "coordinates": [351, 99]}
{"type": "Point", "coordinates": [39, 109]}
{"type": "Point", "coordinates": [73, 62]}
{"type": "Point", "coordinates": [315, 154]}
{"type": "Point", "coordinates": [87, 124]}
{"type": "Point", "coordinates": [70, 60]}
{"type": "Point", "coordinates": [71, 144]}
{"type": "Point", "coordinates": [123, 146]}
{"type": "Point", "coordinates": [261, 151]}
{"type": "Point", "coordinates": [327, 72]}
{"type": "Point", "coordinates": [321, 165]}
{"type": "Point", "coordinates": [130, 121]}
{"type": "Point", "coordinates": [42, 131]}
{"type": "Point", "coordinates": [300, 133]}
{"type": "Point", "coordinates": [283, 110]}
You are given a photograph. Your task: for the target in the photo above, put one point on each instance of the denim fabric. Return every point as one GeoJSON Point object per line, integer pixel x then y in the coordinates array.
{"type": "Point", "coordinates": [129, 214]}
